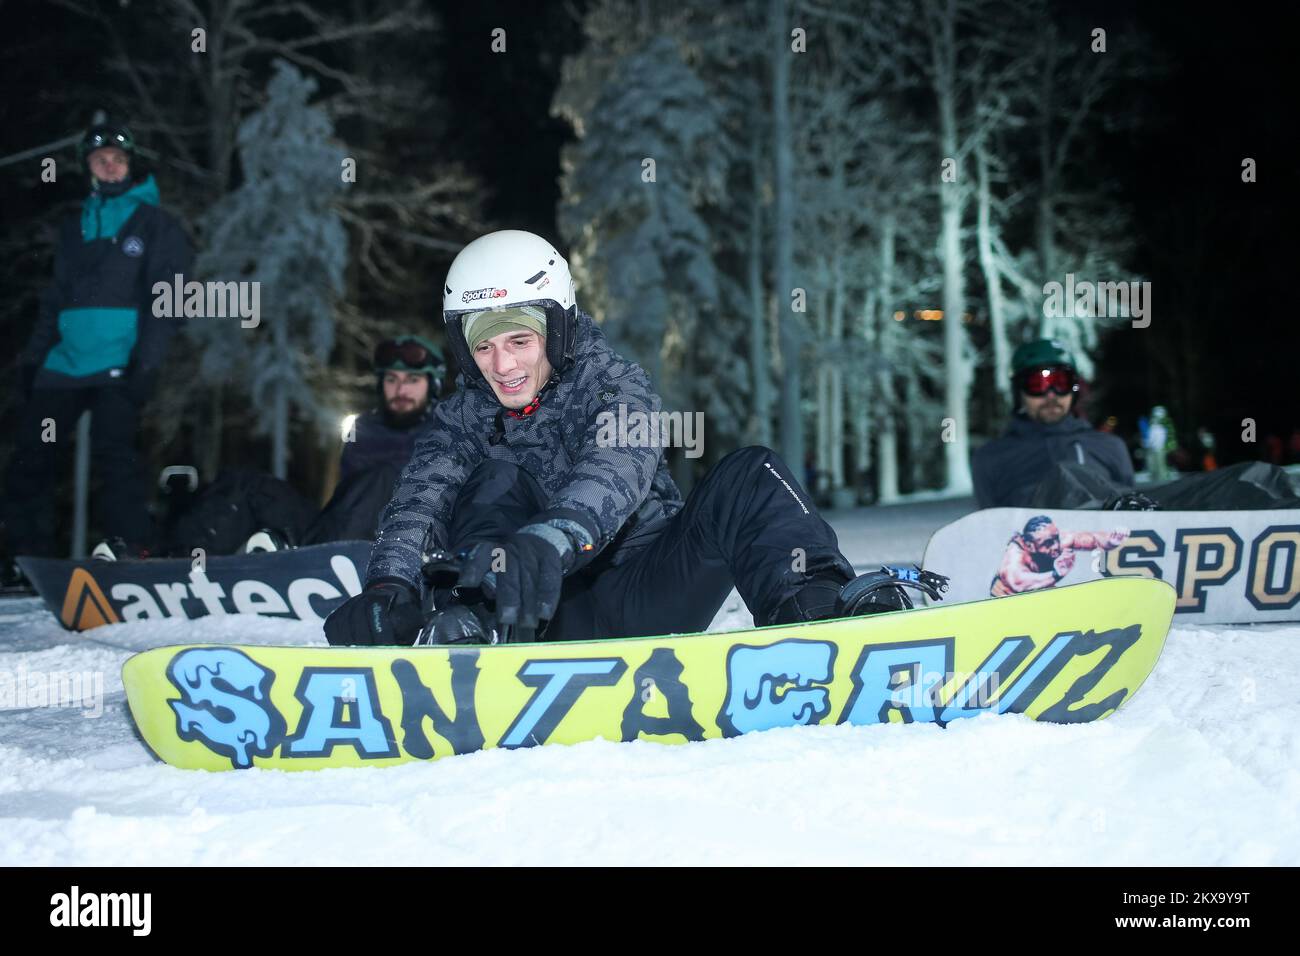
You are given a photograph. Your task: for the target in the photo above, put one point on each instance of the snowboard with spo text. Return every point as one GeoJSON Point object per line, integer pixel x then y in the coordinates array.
{"type": "Point", "coordinates": [1227, 567]}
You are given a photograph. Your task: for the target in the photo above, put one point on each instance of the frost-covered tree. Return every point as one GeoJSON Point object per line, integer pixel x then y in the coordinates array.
{"type": "Point", "coordinates": [280, 230]}
{"type": "Point", "coordinates": [833, 252]}
{"type": "Point", "coordinates": [946, 48]}
{"type": "Point", "coordinates": [897, 401]}
{"type": "Point", "coordinates": [646, 164]}
{"type": "Point", "coordinates": [732, 55]}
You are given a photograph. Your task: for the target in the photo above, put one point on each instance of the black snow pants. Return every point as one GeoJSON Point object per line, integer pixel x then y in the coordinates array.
{"type": "Point", "coordinates": [353, 511]}
{"type": "Point", "coordinates": [47, 428]}
{"type": "Point", "coordinates": [749, 525]}
{"type": "Point", "coordinates": [220, 518]}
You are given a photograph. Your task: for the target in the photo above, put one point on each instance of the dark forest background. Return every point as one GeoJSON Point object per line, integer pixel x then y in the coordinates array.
{"type": "Point", "coordinates": [453, 140]}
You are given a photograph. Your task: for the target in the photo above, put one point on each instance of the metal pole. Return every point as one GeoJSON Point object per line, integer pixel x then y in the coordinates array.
{"type": "Point", "coordinates": [81, 487]}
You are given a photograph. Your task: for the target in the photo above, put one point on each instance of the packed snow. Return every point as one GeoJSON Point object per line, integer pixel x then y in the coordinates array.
{"type": "Point", "coordinates": [1202, 766]}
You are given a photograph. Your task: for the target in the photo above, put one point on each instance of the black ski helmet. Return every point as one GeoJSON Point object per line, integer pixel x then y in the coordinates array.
{"type": "Point", "coordinates": [105, 134]}
{"type": "Point", "coordinates": [101, 135]}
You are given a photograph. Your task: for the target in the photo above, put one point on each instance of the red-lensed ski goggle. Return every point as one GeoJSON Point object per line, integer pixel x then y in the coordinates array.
{"type": "Point", "coordinates": [409, 353]}
{"type": "Point", "coordinates": [1060, 379]}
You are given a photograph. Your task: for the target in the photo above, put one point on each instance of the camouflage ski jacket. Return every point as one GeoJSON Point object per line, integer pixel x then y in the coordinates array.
{"type": "Point", "coordinates": [623, 496]}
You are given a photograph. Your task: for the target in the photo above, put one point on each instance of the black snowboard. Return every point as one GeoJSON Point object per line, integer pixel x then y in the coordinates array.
{"type": "Point", "coordinates": [302, 583]}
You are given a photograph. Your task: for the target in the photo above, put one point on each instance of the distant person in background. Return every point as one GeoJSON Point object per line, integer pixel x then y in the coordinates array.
{"type": "Point", "coordinates": [1206, 440]}
{"type": "Point", "coordinates": [1159, 441]}
{"type": "Point", "coordinates": [410, 371]}
{"type": "Point", "coordinates": [246, 510]}
{"type": "Point", "coordinates": [97, 345]}
{"type": "Point", "coordinates": [1273, 444]}
{"type": "Point", "coordinates": [1044, 433]}
{"type": "Point", "coordinates": [1050, 459]}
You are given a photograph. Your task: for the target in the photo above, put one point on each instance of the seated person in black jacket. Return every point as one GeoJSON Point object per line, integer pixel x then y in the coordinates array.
{"type": "Point", "coordinates": [380, 444]}
{"type": "Point", "coordinates": [1044, 435]}
{"type": "Point", "coordinates": [246, 510]}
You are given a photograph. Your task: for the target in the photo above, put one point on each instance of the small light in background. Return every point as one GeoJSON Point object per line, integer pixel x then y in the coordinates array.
{"type": "Point", "coordinates": [346, 427]}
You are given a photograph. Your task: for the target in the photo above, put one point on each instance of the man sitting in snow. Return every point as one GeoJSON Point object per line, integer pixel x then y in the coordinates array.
{"type": "Point", "coordinates": [409, 370]}
{"type": "Point", "coordinates": [1044, 433]}
{"type": "Point", "coordinates": [1048, 458]}
{"type": "Point", "coordinates": [247, 510]}
{"type": "Point", "coordinates": [558, 529]}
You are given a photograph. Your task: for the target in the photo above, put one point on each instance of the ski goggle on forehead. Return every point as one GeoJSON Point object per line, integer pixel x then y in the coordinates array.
{"type": "Point", "coordinates": [100, 140]}
{"type": "Point", "coordinates": [409, 353]}
{"type": "Point", "coordinates": [1060, 379]}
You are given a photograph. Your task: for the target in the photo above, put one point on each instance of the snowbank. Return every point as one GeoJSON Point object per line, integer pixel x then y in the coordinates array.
{"type": "Point", "coordinates": [1201, 767]}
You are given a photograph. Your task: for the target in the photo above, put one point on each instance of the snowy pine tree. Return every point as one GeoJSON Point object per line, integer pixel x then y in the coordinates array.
{"type": "Point", "coordinates": [278, 229]}
{"type": "Point", "coordinates": [633, 190]}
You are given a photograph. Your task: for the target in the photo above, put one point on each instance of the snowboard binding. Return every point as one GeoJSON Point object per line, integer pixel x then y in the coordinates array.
{"type": "Point", "coordinates": [1130, 501]}
{"type": "Point", "coordinates": [457, 615]}
{"type": "Point", "coordinates": [885, 590]}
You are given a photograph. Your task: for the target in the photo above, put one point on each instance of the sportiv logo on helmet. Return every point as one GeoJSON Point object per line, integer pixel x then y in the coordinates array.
{"type": "Point", "coordinates": [478, 295]}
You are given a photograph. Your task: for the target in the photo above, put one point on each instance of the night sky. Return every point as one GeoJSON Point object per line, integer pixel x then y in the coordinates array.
{"type": "Point", "coordinates": [1221, 254]}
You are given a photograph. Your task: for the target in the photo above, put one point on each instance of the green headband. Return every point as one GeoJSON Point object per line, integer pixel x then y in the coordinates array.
{"type": "Point", "coordinates": [481, 326]}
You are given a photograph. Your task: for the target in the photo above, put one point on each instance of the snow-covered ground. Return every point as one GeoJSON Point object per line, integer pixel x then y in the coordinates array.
{"type": "Point", "coordinates": [1201, 767]}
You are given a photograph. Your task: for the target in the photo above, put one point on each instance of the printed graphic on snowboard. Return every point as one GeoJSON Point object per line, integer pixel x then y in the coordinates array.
{"type": "Point", "coordinates": [1040, 555]}
{"type": "Point", "coordinates": [1067, 655]}
{"type": "Point", "coordinates": [1227, 567]}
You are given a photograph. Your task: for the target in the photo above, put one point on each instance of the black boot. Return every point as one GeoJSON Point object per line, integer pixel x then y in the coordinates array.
{"type": "Point", "coordinates": [814, 601]}
{"type": "Point", "coordinates": [118, 549]}
{"type": "Point", "coordinates": [886, 590]}
{"type": "Point", "coordinates": [460, 615]}
{"type": "Point", "coordinates": [267, 539]}
{"type": "Point", "coordinates": [457, 624]}
{"type": "Point", "coordinates": [1130, 501]}
{"type": "Point", "coordinates": [824, 598]}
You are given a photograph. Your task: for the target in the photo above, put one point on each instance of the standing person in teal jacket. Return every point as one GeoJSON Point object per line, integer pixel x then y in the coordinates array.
{"type": "Point", "coordinates": [97, 345]}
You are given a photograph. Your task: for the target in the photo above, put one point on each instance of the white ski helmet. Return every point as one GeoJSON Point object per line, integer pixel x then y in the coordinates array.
{"type": "Point", "coordinates": [507, 269]}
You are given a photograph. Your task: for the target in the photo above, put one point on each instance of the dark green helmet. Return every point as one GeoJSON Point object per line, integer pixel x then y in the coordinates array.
{"type": "Point", "coordinates": [408, 353]}
{"type": "Point", "coordinates": [1041, 353]}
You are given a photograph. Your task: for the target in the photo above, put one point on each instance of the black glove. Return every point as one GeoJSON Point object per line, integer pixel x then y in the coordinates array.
{"type": "Point", "coordinates": [140, 384]}
{"type": "Point", "coordinates": [522, 573]}
{"type": "Point", "coordinates": [385, 613]}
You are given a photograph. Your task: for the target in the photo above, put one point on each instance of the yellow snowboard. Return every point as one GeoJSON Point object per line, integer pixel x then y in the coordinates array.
{"type": "Point", "coordinates": [1069, 654]}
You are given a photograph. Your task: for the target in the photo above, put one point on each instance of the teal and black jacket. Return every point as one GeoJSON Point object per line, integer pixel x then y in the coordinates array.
{"type": "Point", "coordinates": [96, 319]}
